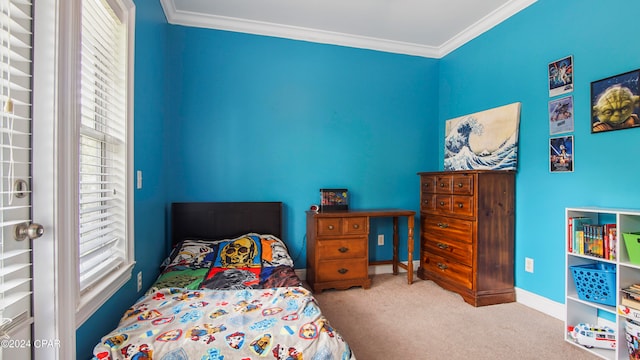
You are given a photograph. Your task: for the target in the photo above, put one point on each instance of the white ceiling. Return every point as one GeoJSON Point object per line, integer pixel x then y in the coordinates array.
{"type": "Point", "coordinates": [428, 28]}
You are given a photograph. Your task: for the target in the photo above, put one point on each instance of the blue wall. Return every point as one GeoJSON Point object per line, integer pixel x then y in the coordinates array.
{"type": "Point", "coordinates": [222, 116]}
{"type": "Point", "coordinates": [509, 64]}
{"type": "Point", "coordinates": [259, 118]}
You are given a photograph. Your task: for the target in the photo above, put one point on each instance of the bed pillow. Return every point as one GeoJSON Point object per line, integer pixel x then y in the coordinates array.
{"type": "Point", "coordinates": [274, 252]}
{"type": "Point", "coordinates": [237, 264]}
{"type": "Point", "coordinates": [192, 254]}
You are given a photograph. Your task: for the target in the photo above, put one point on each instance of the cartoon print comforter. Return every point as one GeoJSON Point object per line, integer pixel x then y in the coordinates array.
{"type": "Point", "coordinates": [177, 323]}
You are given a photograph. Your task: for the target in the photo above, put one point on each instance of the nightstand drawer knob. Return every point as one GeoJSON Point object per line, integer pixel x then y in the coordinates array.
{"type": "Point", "coordinates": [442, 246]}
{"type": "Point", "coordinates": [460, 205]}
{"type": "Point", "coordinates": [343, 249]}
{"type": "Point", "coordinates": [330, 227]}
{"type": "Point", "coordinates": [356, 226]}
{"type": "Point", "coordinates": [343, 271]}
{"type": "Point", "coordinates": [442, 266]}
{"type": "Point", "coordinates": [443, 225]}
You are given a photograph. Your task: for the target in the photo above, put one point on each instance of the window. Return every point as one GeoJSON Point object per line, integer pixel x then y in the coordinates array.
{"type": "Point", "coordinates": [104, 135]}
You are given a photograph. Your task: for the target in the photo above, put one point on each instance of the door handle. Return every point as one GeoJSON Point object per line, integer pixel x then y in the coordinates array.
{"type": "Point", "coordinates": [25, 230]}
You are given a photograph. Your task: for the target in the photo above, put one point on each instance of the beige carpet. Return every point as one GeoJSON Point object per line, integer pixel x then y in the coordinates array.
{"type": "Point", "coordinates": [394, 320]}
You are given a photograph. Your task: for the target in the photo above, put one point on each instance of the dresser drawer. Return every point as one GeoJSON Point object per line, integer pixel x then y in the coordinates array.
{"type": "Point", "coordinates": [444, 184]}
{"type": "Point", "coordinates": [336, 270]}
{"type": "Point", "coordinates": [455, 250]}
{"type": "Point", "coordinates": [445, 268]}
{"type": "Point", "coordinates": [428, 183]}
{"type": "Point", "coordinates": [357, 225]}
{"type": "Point", "coordinates": [342, 249]}
{"type": "Point", "coordinates": [462, 205]}
{"type": "Point", "coordinates": [462, 184]}
{"type": "Point", "coordinates": [442, 227]}
{"type": "Point", "coordinates": [428, 202]}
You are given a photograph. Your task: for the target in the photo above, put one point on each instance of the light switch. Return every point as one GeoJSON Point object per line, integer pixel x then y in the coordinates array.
{"type": "Point", "coordinates": [139, 179]}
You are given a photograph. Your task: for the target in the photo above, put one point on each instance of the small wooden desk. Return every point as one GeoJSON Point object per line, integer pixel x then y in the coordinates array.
{"type": "Point", "coordinates": [337, 249]}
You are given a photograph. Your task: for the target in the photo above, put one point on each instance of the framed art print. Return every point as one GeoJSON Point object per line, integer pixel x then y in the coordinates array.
{"type": "Point", "coordinates": [486, 140]}
{"type": "Point", "coordinates": [561, 154]}
{"type": "Point", "coordinates": [561, 115]}
{"type": "Point", "coordinates": [561, 76]}
{"type": "Point", "coordinates": [615, 102]}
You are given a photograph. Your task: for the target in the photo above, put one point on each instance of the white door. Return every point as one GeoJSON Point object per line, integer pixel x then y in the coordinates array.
{"type": "Point", "coordinates": [16, 318]}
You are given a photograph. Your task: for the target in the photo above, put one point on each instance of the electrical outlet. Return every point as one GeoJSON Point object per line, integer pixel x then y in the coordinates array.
{"type": "Point", "coordinates": [528, 265]}
{"type": "Point", "coordinates": [380, 239]}
{"type": "Point", "coordinates": [139, 280]}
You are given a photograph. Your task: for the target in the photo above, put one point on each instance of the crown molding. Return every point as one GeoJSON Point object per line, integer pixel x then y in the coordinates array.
{"type": "Point", "coordinates": [188, 18]}
{"type": "Point", "coordinates": [483, 25]}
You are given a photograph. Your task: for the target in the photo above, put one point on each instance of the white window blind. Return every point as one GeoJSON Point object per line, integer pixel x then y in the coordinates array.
{"type": "Point", "coordinates": [103, 143]}
{"type": "Point", "coordinates": [15, 158]}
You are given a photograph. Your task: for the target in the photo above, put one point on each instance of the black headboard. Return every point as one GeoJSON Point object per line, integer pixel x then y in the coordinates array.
{"type": "Point", "coordinates": [224, 220]}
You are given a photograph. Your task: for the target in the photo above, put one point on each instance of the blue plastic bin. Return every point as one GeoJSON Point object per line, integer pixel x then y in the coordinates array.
{"type": "Point", "coordinates": [596, 282]}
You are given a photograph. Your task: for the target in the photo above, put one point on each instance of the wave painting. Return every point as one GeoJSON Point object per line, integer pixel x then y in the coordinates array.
{"type": "Point", "coordinates": [487, 140]}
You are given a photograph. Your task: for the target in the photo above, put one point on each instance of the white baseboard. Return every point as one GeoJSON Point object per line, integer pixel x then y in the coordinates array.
{"type": "Point", "coordinates": [540, 303]}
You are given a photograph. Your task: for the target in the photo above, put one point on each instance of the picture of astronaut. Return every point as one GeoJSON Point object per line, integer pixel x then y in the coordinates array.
{"type": "Point", "coordinates": [561, 76]}
{"type": "Point", "coordinates": [615, 102]}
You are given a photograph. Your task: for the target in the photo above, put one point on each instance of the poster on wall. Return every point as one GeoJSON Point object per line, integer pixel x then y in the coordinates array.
{"type": "Point", "coordinates": [615, 102]}
{"type": "Point", "coordinates": [486, 140]}
{"type": "Point", "coordinates": [561, 76]}
{"type": "Point", "coordinates": [561, 154]}
{"type": "Point", "coordinates": [561, 115]}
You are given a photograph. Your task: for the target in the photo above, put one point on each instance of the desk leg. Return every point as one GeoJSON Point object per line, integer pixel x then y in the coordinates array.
{"type": "Point", "coordinates": [395, 245]}
{"type": "Point", "coordinates": [410, 225]}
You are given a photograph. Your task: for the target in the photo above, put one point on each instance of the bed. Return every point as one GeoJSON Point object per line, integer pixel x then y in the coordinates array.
{"type": "Point", "coordinates": [227, 290]}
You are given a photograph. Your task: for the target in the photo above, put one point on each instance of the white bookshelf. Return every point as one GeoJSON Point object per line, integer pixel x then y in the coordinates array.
{"type": "Point", "coordinates": [584, 311]}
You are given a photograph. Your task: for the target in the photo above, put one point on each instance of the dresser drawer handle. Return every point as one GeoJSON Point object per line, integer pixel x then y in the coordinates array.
{"type": "Point", "coordinates": [460, 185]}
{"type": "Point", "coordinates": [460, 205]}
{"type": "Point", "coordinates": [356, 226]}
{"type": "Point", "coordinates": [442, 266]}
{"type": "Point", "coordinates": [343, 249]}
{"type": "Point", "coordinates": [442, 246]}
{"type": "Point", "coordinates": [343, 271]}
{"type": "Point", "coordinates": [330, 227]}
{"type": "Point", "coordinates": [443, 225]}
{"type": "Point", "coordinates": [442, 184]}
{"type": "Point", "coordinates": [426, 201]}
{"type": "Point", "coordinates": [441, 203]}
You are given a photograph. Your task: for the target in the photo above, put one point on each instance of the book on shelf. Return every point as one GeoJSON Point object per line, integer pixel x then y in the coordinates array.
{"type": "Point", "coordinates": [576, 233]}
{"type": "Point", "coordinates": [587, 238]}
{"type": "Point", "coordinates": [631, 296]}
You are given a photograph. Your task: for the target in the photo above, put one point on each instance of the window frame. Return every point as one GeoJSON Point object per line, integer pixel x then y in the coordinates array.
{"type": "Point", "coordinates": [89, 301]}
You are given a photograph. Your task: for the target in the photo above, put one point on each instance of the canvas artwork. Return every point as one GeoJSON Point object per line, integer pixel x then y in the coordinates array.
{"type": "Point", "coordinates": [487, 140]}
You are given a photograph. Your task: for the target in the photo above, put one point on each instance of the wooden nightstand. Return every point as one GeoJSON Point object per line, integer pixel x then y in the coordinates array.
{"type": "Point", "coordinates": [338, 247]}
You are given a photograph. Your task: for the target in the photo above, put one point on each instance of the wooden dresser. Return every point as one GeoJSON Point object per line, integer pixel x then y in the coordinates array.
{"type": "Point", "coordinates": [467, 233]}
{"type": "Point", "coordinates": [337, 250]}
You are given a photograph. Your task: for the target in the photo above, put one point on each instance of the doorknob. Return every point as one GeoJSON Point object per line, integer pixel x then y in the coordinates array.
{"type": "Point", "coordinates": [26, 230]}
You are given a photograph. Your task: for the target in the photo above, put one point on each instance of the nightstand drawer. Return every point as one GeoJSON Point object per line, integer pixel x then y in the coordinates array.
{"type": "Point", "coordinates": [454, 250]}
{"type": "Point", "coordinates": [357, 225]}
{"type": "Point", "coordinates": [342, 248]}
{"type": "Point", "coordinates": [445, 268]}
{"type": "Point", "coordinates": [335, 270]}
{"type": "Point", "coordinates": [443, 227]}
